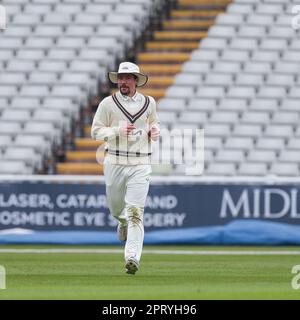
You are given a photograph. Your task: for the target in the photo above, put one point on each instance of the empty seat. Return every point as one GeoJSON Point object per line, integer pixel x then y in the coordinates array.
{"type": "Point", "coordinates": [201, 104]}
{"type": "Point", "coordinates": [210, 92]}
{"type": "Point", "coordinates": [265, 56]}
{"type": "Point", "coordinates": [233, 104]}
{"type": "Point", "coordinates": [61, 54]}
{"type": "Point", "coordinates": [212, 143]}
{"type": "Point", "coordinates": [255, 32]}
{"type": "Point", "coordinates": [34, 91]}
{"type": "Point", "coordinates": [5, 141]}
{"type": "Point", "coordinates": [273, 44]}
{"type": "Point", "coordinates": [187, 79]}
{"type": "Point", "coordinates": [289, 156]}
{"type": "Point", "coordinates": [217, 130]}
{"type": "Point", "coordinates": [171, 104]}
{"type": "Point", "coordinates": [237, 8]}
{"type": "Point", "coordinates": [263, 104]}
{"type": "Point", "coordinates": [232, 156]}
{"type": "Point", "coordinates": [218, 79]}
{"type": "Point", "coordinates": [69, 91]}
{"type": "Point", "coordinates": [39, 42]}
{"type": "Point", "coordinates": [235, 55]}
{"type": "Point", "coordinates": [227, 117]}
{"type": "Point", "coordinates": [16, 115]}
{"type": "Point", "coordinates": [285, 169]}
{"type": "Point", "coordinates": [14, 167]}
{"type": "Point", "coordinates": [48, 130]}
{"type": "Point", "coordinates": [70, 42]}
{"type": "Point", "coordinates": [196, 67]}
{"type": "Point", "coordinates": [294, 93]}
{"type": "Point", "coordinates": [52, 66]}
{"type": "Point", "coordinates": [179, 92]}
{"type": "Point", "coordinates": [43, 78]}
{"type": "Point", "coordinates": [271, 92]}
{"type": "Point", "coordinates": [37, 142]}
{"type": "Point", "coordinates": [281, 32]}
{"type": "Point", "coordinates": [6, 54]}
{"type": "Point", "coordinates": [10, 128]}
{"type": "Point", "coordinates": [243, 44]}
{"type": "Point", "coordinates": [205, 55]}
{"type": "Point", "coordinates": [37, 9]}
{"type": "Point", "coordinates": [287, 67]}
{"type": "Point", "coordinates": [253, 169]}
{"type": "Point", "coordinates": [57, 19]}
{"type": "Point", "coordinates": [28, 155]}
{"type": "Point", "coordinates": [241, 92]}
{"type": "Point", "coordinates": [239, 143]}
{"type": "Point", "coordinates": [279, 131]}
{"type": "Point", "coordinates": [88, 19]}
{"type": "Point", "coordinates": [266, 156]}
{"type": "Point", "coordinates": [25, 103]}
{"type": "Point", "coordinates": [293, 143]}
{"type": "Point", "coordinates": [220, 169]}
{"type": "Point", "coordinates": [270, 143]}
{"type": "Point", "coordinates": [12, 78]}
{"type": "Point", "coordinates": [213, 43]}
{"type": "Point", "coordinates": [280, 80]}
{"type": "Point", "coordinates": [247, 130]}
{"type": "Point", "coordinates": [20, 65]}
{"type": "Point", "coordinates": [245, 79]}
{"type": "Point", "coordinates": [65, 104]}
{"type": "Point", "coordinates": [291, 56]}
{"type": "Point", "coordinates": [271, 9]}
{"type": "Point", "coordinates": [253, 117]}
{"type": "Point", "coordinates": [30, 54]}
{"type": "Point", "coordinates": [257, 67]}
{"type": "Point", "coordinates": [167, 116]}
{"type": "Point", "coordinates": [78, 31]}
{"type": "Point", "coordinates": [289, 118]}
{"type": "Point", "coordinates": [54, 116]}
{"type": "Point", "coordinates": [260, 19]}
{"type": "Point", "coordinates": [289, 105]}
{"type": "Point", "coordinates": [229, 19]}
{"type": "Point", "coordinates": [193, 117]}
{"type": "Point", "coordinates": [227, 67]}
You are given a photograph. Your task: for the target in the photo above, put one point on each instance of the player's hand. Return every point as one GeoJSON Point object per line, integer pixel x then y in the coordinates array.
{"type": "Point", "coordinates": [154, 133]}
{"type": "Point", "coordinates": [125, 130]}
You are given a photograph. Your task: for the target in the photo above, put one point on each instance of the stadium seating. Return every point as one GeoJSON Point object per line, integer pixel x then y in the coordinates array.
{"type": "Point", "coordinates": [229, 67]}
{"type": "Point", "coordinates": [53, 56]}
{"type": "Point", "coordinates": [248, 88]}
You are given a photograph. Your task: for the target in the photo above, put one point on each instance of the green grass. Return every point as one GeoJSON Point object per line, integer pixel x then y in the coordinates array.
{"type": "Point", "coordinates": [102, 276]}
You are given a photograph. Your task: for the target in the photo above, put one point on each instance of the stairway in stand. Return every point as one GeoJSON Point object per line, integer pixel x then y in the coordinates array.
{"type": "Point", "coordinates": [161, 59]}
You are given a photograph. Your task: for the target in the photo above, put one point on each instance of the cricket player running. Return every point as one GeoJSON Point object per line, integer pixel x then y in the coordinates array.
{"type": "Point", "coordinates": [128, 122]}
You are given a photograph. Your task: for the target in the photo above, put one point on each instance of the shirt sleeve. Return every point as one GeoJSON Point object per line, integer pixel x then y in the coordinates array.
{"type": "Point", "coordinates": [101, 129]}
{"type": "Point", "coordinates": [153, 117]}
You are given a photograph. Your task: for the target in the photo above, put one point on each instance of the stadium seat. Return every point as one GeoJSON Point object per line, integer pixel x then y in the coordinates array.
{"type": "Point", "coordinates": [253, 169]}
{"type": "Point", "coordinates": [285, 169]}
{"type": "Point", "coordinates": [14, 167]}
{"type": "Point", "coordinates": [220, 169]}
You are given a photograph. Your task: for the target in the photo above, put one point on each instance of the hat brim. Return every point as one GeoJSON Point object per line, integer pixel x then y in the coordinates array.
{"type": "Point", "coordinates": [142, 78]}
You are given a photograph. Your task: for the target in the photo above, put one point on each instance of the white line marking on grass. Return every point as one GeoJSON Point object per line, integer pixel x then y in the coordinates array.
{"type": "Point", "coordinates": [179, 252]}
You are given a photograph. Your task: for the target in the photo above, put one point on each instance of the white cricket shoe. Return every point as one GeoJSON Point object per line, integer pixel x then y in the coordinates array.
{"type": "Point", "coordinates": [122, 232]}
{"type": "Point", "coordinates": [132, 266]}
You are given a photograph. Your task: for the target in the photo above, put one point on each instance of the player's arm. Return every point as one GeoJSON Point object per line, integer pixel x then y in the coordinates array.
{"type": "Point", "coordinates": [101, 129]}
{"type": "Point", "coordinates": [153, 122]}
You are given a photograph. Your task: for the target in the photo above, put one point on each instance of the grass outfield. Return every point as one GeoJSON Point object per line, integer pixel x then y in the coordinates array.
{"type": "Point", "coordinates": [161, 276]}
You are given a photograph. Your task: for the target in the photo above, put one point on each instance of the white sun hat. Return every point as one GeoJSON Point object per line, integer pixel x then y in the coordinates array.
{"type": "Point", "coordinates": [128, 67]}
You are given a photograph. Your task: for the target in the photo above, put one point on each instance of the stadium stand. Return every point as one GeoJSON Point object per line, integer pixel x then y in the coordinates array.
{"type": "Point", "coordinates": [228, 67]}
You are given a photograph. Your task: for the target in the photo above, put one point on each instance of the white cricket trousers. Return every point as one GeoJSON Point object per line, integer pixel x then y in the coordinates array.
{"type": "Point", "coordinates": [126, 191]}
